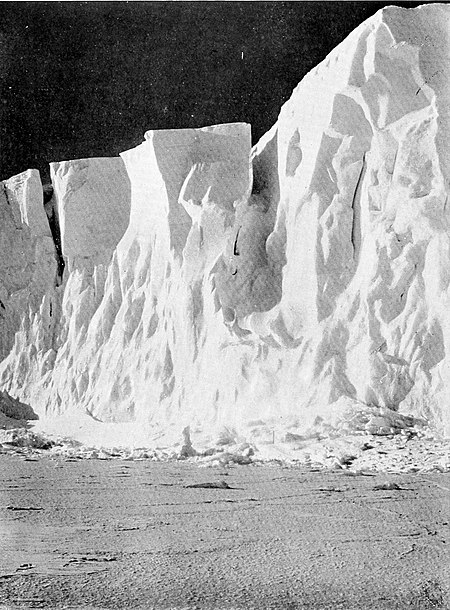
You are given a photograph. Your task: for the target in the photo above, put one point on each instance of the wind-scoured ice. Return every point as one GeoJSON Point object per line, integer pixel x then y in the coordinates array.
{"type": "Point", "coordinates": [301, 287]}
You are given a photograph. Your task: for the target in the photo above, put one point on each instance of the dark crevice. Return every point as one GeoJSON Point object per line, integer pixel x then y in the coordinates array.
{"type": "Point", "coordinates": [356, 208]}
{"type": "Point", "coordinates": [394, 161]}
{"type": "Point", "coordinates": [53, 221]}
{"type": "Point", "coordinates": [5, 190]}
{"type": "Point", "coordinates": [235, 248]}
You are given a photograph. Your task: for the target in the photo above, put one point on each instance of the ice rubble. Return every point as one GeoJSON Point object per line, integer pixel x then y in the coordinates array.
{"type": "Point", "coordinates": [299, 287]}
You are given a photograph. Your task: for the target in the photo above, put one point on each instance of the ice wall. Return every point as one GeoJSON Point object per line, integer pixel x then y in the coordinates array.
{"type": "Point", "coordinates": [27, 255]}
{"type": "Point", "coordinates": [93, 203]}
{"type": "Point", "coordinates": [364, 175]}
{"type": "Point", "coordinates": [287, 288]}
{"type": "Point", "coordinates": [89, 211]}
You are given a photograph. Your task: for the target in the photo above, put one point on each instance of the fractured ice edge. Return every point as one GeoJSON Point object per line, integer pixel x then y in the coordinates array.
{"type": "Point", "coordinates": [195, 289]}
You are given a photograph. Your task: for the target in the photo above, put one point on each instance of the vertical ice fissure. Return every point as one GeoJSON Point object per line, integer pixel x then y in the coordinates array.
{"type": "Point", "coordinates": [356, 209]}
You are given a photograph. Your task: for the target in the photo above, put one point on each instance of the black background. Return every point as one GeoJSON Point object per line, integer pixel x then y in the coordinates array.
{"type": "Point", "coordinates": [83, 79]}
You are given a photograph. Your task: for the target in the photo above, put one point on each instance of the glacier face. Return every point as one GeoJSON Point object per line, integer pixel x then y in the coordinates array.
{"type": "Point", "coordinates": [289, 286]}
{"type": "Point", "coordinates": [27, 262]}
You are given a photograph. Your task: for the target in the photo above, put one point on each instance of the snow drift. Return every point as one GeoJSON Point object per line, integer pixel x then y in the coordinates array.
{"type": "Point", "coordinates": [301, 284]}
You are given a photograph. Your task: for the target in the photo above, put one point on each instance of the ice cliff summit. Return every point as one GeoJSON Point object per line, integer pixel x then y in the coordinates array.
{"type": "Point", "coordinates": [302, 284]}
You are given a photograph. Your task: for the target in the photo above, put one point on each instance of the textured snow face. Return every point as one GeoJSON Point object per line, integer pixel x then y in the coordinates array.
{"type": "Point", "coordinates": [27, 256]}
{"type": "Point", "coordinates": [93, 203]}
{"type": "Point", "coordinates": [367, 284]}
{"type": "Point", "coordinates": [303, 285]}
{"type": "Point", "coordinates": [363, 175]}
{"type": "Point", "coordinates": [24, 195]}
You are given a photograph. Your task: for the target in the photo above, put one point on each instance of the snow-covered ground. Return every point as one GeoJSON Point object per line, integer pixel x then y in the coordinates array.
{"type": "Point", "coordinates": [109, 534]}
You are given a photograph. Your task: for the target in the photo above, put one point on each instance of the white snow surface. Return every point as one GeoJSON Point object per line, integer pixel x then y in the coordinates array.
{"type": "Point", "coordinates": [93, 203]}
{"type": "Point", "coordinates": [267, 295]}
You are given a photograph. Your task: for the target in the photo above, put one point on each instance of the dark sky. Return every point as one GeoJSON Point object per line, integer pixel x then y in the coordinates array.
{"type": "Point", "coordinates": [83, 79]}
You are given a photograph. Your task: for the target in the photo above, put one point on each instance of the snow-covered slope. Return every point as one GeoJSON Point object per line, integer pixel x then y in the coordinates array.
{"type": "Point", "coordinates": [304, 285]}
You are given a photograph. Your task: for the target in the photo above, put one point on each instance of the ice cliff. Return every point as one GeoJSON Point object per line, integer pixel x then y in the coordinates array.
{"type": "Point", "coordinates": [27, 262]}
{"type": "Point", "coordinates": [303, 283]}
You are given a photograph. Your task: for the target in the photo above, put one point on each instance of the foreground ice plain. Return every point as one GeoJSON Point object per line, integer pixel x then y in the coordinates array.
{"type": "Point", "coordinates": [98, 534]}
{"type": "Point", "coordinates": [256, 295]}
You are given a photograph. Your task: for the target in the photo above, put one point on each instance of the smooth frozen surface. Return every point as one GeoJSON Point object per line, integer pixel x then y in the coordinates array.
{"type": "Point", "coordinates": [108, 534]}
{"type": "Point", "coordinates": [297, 289]}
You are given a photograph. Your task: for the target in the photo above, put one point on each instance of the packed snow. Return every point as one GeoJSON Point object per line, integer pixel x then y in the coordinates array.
{"type": "Point", "coordinates": [284, 302]}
